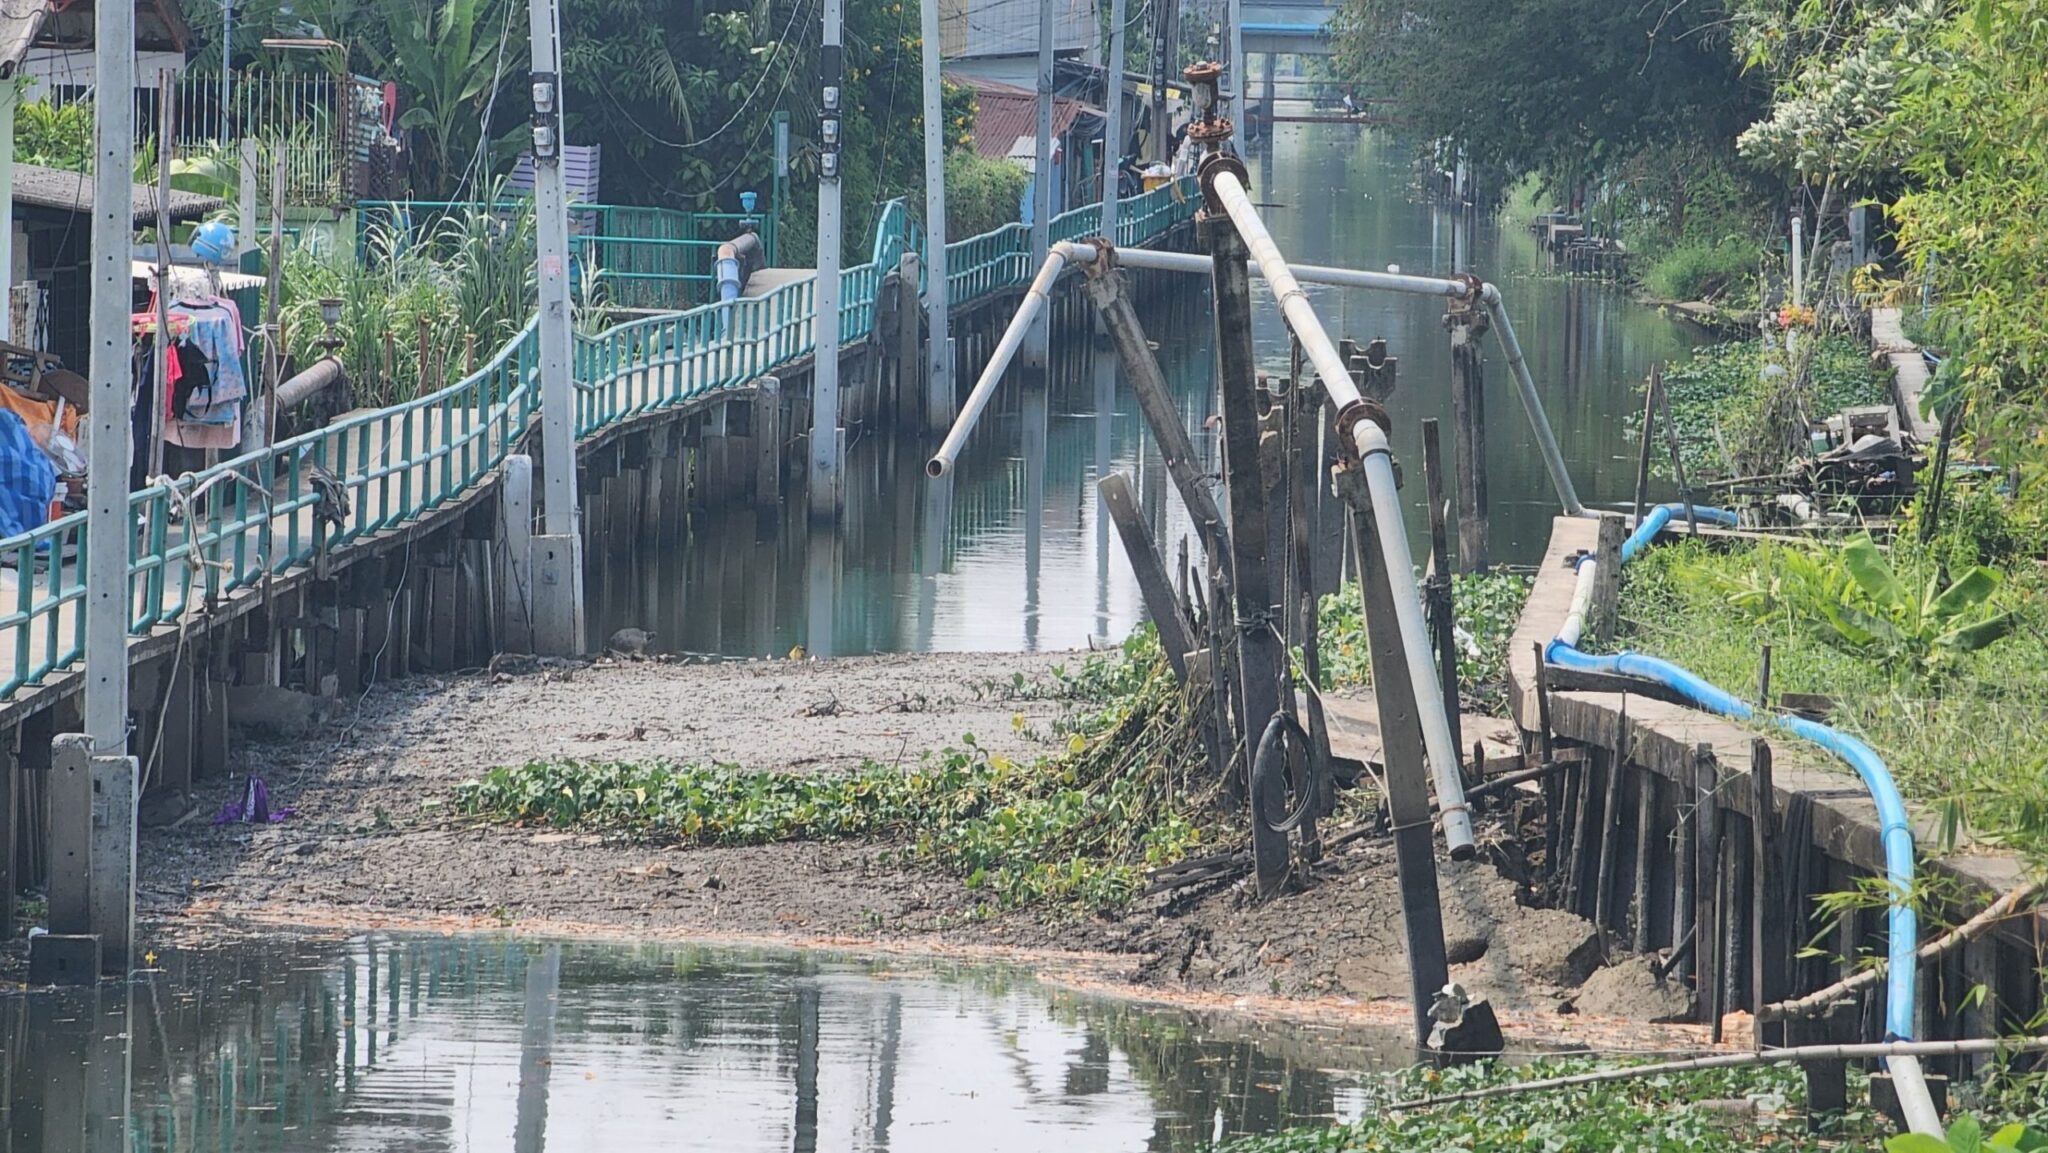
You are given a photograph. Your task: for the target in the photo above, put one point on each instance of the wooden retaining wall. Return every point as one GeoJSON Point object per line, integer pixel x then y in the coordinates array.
{"type": "Point", "coordinates": [1686, 793]}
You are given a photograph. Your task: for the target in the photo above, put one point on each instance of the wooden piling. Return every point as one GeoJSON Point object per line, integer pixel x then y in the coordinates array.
{"type": "Point", "coordinates": [1643, 452]}
{"type": "Point", "coordinates": [1406, 780]}
{"type": "Point", "coordinates": [767, 429]}
{"type": "Point", "coordinates": [1769, 962]}
{"type": "Point", "coordinates": [1468, 410]}
{"type": "Point", "coordinates": [1610, 822]}
{"type": "Point", "coordinates": [1692, 519]}
{"type": "Point", "coordinates": [1606, 578]}
{"type": "Point", "coordinates": [1260, 654]}
{"type": "Point", "coordinates": [1122, 503]}
{"type": "Point", "coordinates": [1707, 886]}
{"type": "Point", "coordinates": [1438, 604]}
{"type": "Point", "coordinates": [1646, 820]}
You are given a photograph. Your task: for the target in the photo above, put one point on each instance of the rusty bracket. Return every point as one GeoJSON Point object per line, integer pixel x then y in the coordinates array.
{"type": "Point", "coordinates": [1105, 258]}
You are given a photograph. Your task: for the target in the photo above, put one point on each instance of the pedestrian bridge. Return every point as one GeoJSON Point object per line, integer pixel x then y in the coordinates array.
{"type": "Point", "coordinates": [1288, 27]}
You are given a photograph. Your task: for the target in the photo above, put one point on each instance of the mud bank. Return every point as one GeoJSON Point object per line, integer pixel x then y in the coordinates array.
{"type": "Point", "coordinates": [363, 847]}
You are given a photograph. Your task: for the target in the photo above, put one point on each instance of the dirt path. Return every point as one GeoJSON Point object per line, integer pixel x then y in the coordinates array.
{"type": "Point", "coordinates": [362, 850]}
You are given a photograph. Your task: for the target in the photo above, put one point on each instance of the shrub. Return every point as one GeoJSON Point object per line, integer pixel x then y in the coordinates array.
{"type": "Point", "coordinates": [1698, 270]}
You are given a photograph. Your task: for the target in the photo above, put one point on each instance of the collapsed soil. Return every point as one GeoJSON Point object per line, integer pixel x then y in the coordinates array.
{"type": "Point", "coordinates": [365, 846]}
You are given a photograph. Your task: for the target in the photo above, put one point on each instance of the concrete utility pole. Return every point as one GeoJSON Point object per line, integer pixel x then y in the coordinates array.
{"type": "Point", "coordinates": [558, 552]}
{"type": "Point", "coordinates": [1041, 184]}
{"type": "Point", "coordinates": [825, 435]}
{"type": "Point", "coordinates": [108, 527]}
{"type": "Point", "coordinates": [938, 352]}
{"type": "Point", "coordinates": [1112, 110]}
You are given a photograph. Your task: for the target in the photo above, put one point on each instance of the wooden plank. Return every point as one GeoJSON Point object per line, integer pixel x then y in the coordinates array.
{"type": "Point", "coordinates": [1153, 583]}
{"type": "Point", "coordinates": [441, 617]}
{"type": "Point", "coordinates": [1355, 731]}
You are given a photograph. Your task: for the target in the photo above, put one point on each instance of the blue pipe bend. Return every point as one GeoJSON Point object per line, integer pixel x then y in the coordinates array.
{"type": "Point", "coordinates": [1902, 924]}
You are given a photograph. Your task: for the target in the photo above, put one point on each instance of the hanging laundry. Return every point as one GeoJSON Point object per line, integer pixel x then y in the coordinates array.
{"type": "Point", "coordinates": [28, 481]}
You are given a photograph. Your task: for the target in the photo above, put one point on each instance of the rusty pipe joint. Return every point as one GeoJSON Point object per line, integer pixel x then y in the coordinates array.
{"type": "Point", "coordinates": [1215, 164]}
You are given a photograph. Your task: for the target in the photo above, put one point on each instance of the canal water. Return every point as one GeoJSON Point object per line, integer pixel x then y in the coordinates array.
{"type": "Point", "coordinates": [1007, 556]}
{"type": "Point", "coordinates": [493, 1043]}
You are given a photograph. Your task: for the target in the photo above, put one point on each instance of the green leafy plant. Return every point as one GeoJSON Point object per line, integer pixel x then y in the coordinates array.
{"type": "Point", "coordinates": [1920, 622]}
{"type": "Point", "coordinates": [1130, 792]}
{"type": "Point", "coordinates": [1966, 1135]}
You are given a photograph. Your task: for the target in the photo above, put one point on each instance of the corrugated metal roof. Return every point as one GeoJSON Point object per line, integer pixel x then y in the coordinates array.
{"type": "Point", "coordinates": [62, 191]}
{"type": "Point", "coordinates": [1004, 113]}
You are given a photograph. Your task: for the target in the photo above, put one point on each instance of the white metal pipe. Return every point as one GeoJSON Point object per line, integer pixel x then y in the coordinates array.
{"type": "Point", "coordinates": [1034, 301]}
{"type": "Point", "coordinates": [1582, 604]}
{"type": "Point", "coordinates": [1532, 403]}
{"type": "Point", "coordinates": [1199, 263]}
{"type": "Point", "coordinates": [1453, 815]}
{"type": "Point", "coordinates": [1377, 458]}
{"type": "Point", "coordinates": [1910, 1086]}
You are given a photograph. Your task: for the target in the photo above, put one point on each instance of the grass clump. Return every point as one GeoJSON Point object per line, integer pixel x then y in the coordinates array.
{"type": "Point", "coordinates": [1130, 792]}
{"type": "Point", "coordinates": [1485, 607]}
{"type": "Point", "coordinates": [1964, 729]}
{"type": "Point", "coordinates": [1741, 408]}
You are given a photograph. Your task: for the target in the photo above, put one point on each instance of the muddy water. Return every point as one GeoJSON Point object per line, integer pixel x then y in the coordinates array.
{"type": "Point", "coordinates": [1013, 553]}
{"type": "Point", "coordinates": [457, 1043]}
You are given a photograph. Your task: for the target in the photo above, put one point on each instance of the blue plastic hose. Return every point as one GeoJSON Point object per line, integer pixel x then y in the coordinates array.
{"type": "Point", "coordinates": [1902, 926]}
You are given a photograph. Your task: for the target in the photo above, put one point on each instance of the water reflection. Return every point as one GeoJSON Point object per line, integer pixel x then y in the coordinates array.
{"type": "Point", "coordinates": [484, 1043]}
{"type": "Point", "coordinates": [1027, 562]}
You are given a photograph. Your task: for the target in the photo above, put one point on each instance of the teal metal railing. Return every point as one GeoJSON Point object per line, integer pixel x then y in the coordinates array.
{"type": "Point", "coordinates": [208, 535]}
{"type": "Point", "coordinates": [642, 257]}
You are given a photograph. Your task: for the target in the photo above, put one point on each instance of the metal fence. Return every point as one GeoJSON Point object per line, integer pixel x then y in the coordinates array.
{"type": "Point", "coordinates": [640, 258]}
{"type": "Point", "coordinates": [315, 120]}
{"type": "Point", "coordinates": [207, 535]}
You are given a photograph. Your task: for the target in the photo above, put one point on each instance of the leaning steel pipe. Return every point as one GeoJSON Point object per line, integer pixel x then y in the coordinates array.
{"type": "Point", "coordinates": [1532, 404]}
{"type": "Point", "coordinates": [1035, 298]}
{"type": "Point", "coordinates": [1453, 814]}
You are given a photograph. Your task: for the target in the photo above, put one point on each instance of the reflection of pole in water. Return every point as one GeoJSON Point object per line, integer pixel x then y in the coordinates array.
{"type": "Point", "coordinates": [935, 530]}
{"type": "Point", "coordinates": [1103, 362]}
{"type": "Point", "coordinates": [885, 1089]}
{"type": "Point", "coordinates": [86, 1045]}
{"type": "Point", "coordinates": [806, 1068]}
{"type": "Point", "coordinates": [536, 1050]}
{"type": "Point", "coordinates": [1037, 404]}
{"type": "Point", "coordinates": [821, 589]}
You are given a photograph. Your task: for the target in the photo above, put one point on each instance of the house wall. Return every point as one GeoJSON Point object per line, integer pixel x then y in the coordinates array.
{"type": "Point", "coordinates": [66, 68]}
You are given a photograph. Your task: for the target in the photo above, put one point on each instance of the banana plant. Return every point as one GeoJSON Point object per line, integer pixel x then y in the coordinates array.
{"type": "Point", "coordinates": [1933, 622]}
{"type": "Point", "coordinates": [1966, 1135]}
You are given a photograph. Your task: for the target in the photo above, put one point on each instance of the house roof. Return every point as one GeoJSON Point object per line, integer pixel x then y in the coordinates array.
{"type": "Point", "coordinates": [57, 190]}
{"type": "Point", "coordinates": [21, 21]}
{"type": "Point", "coordinates": [1006, 113]}
{"type": "Point", "coordinates": [67, 24]}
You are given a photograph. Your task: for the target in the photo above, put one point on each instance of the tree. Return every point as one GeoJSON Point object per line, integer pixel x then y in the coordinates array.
{"type": "Point", "coordinates": [1564, 87]}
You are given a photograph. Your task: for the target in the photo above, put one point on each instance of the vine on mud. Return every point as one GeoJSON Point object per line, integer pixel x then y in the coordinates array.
{"type": "Point", "coordinates": [1131, 791]}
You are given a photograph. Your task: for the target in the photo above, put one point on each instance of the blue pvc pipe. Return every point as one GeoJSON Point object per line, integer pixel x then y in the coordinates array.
{"type": "Point", "coordinates": [1902, 925]}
